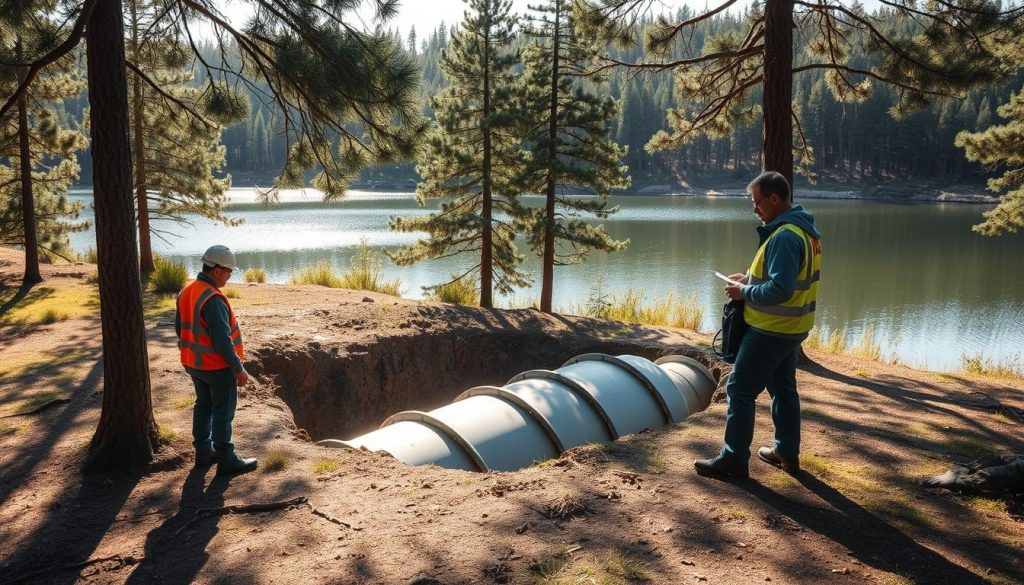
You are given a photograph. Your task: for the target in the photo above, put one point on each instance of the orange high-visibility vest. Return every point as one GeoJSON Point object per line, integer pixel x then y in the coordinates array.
{"type": "Point", "coordinates": [194, 341]}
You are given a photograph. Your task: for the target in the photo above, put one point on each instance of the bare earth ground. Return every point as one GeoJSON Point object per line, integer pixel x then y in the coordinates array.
{"type": "Point", "coordinates": [630, 511]}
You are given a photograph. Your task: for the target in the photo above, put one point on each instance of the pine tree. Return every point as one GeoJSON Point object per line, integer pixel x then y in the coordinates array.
{"type": "Point", "coordinates": [1000, 147]}
{"type": "Point", "coordinates": [37, 148]}
{"type": "Point", "coordinates": [567, 125]}
{"type": "Point", "coordinates": [923, 51]}
{"type": "Point", "coordinates": [471, 156]}
{"type": "Point", "coordinates": [176, 127]}
{"type": "Point", "coordinates": [348, 99]}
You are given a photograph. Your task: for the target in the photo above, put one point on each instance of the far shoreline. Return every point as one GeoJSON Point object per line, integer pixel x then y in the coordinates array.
{"type": "Point", "coordinates": [955, 193]}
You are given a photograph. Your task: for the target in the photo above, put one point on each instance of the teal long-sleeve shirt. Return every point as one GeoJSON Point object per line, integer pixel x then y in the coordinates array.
{"type": "Point", "coordinates": [215, 312]}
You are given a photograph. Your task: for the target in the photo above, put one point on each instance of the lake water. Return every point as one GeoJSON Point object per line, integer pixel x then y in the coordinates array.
{"type": "Point", "coordinates": [929, 287]}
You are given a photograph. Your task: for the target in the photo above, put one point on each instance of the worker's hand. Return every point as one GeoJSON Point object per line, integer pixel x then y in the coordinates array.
{"type": "Point", "coordinates": [241, 378]}
{"type": "Point", "coordinates": [738, 277]}
{"type": "Point", "coordinates": [735, 292]}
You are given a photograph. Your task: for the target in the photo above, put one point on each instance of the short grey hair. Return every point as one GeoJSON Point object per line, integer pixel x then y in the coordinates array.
{"type": "Point", "coordinates": [772, 182]}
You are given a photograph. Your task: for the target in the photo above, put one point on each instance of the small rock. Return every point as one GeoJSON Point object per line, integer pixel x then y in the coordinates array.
{"type": "Point", "coordinates": [667, 529]}
{"type": "Point", "coordinates": [843, 571]}
{"type": "Point", "coordinates": [484, 515]}
{"type": "Point", "coordinates": [739, 557]}
{"type": "Point", "coordinates": [523, 528]}
{"type": "Point", "coordinates": [367, 300]}
{"type": "Point", "coordinates": [767, 578]}
{"type": "Point", "coordinates": [700, 577]}
{"type": "Point", "coordinates": [990, 571]}
{"type": "Point", "coordinates": [689, 563]}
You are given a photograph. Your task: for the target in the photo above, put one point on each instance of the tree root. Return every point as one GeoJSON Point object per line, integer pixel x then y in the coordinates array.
{"type": "Point", "coordinates": [124, 561]}
{"type": "Point", "coordinates": [263, 507]}
{"type": "Point", "coordinates": [39, 408]}
{"type": "Point", "coordinates": [242, 509]}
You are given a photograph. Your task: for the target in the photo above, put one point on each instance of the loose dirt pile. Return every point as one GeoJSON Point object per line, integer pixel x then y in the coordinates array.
{"type": "Point", "coordinates": [334, 363]}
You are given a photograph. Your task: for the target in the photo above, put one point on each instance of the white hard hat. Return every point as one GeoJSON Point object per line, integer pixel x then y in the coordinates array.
{"type": "Point", "coordinates": [219, 255]}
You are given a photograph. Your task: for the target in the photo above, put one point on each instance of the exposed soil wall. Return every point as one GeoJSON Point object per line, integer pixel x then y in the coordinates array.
{"type": "Point", "coordinates": [340, 390]}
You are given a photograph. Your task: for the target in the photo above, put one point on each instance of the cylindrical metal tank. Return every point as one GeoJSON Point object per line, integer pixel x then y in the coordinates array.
{"type": "Point", "coordinates": [538, 414]}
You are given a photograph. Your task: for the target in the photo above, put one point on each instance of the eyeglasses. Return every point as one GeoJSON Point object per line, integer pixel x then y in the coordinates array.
{"type": "Point", "coordinates": [230, 270]}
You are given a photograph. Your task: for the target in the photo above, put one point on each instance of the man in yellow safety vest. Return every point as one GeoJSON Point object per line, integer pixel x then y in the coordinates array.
{"type": "Point", "coordinates": [779, 291]}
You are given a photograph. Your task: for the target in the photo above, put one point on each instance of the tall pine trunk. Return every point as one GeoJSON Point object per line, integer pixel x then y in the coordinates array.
{"type": "Point", "coordinates": [778, 87]}
{"type": "Point", "coordinates": [146, 263]}
{"type": "Point", "coordinates": [548, 261]}
{"type": "Point", "coordinates": [28, 204]}
{"type": "Point", "coordinates": [486, 240]}
{"type": "Point", "coordinates": [126, 436]}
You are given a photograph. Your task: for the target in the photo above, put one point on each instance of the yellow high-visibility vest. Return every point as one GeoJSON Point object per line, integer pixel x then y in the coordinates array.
{"type": "Point", "coordinates": [795, 315]}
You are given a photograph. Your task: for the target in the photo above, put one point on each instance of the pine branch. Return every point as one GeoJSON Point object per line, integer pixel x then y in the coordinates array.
{"type": "Point", "coordinates": [881, 78]}
{"type": "Point", "coordinates": [59, 51]}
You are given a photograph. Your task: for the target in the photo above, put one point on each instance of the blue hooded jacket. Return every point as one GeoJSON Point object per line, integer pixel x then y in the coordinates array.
{"type": "Point", "coordinates": [783, 257]}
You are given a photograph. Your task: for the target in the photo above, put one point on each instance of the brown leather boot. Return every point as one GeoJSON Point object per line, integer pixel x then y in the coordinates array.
{"type": "Point", "coordinates": [769, 456]}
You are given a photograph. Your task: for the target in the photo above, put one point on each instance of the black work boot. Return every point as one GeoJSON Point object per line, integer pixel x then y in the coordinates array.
{"type": "Point", "coordinates": [205, 457]}
{"type": "Point", "coordinates": [235, 465]}
{"type": "Point", "coordinates": [721, 467]}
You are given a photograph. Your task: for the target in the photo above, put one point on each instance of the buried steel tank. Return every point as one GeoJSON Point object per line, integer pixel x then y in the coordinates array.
{"type": "Point", "coordinates": [538, 414]}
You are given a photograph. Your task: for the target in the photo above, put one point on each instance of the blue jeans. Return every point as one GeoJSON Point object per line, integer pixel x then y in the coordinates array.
{"type": "Point", "coordinates": [763, 362]}
{"type": "Point", "coordinates": [216, 396]}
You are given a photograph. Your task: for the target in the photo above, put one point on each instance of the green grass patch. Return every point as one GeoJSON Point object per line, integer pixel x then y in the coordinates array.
{"type": "Point", "coordinates": [170, 276]}
{"type": "Point", "coordinates": [232, 293]}
{"type": "Point", "coordinates": [816, 465]}
{"type": "Point", "coordinates": [969, 446]}
{"type": "Point", "coordinates": [275, 461]}
{"type": "Point", "coordinates": [894, 508]}
{"type": "Point", "coordinates": [833, 341]}
{"type": "Point", "coordinates": [255, 275]}
{"type": "Point", "coordinates": [780, 480]}
{"type": "Point", "coordinates": [366, 272]}
{"type": "Point", "coordinates": [89, 256]}
{"type": "Point", "coordinates": [985, 505]}
{"type": "Point", "coordinates": [326, 466]}
{"type": "Point", "coordinates": [43, 304]}
{"type": "Point", "coordinates": [632, 306]}
{"type": "Point", "coordinates": [460, 291]}
{"type": "Point", "coordinates": [8, 429]}
{"type": "Point", "coordinates": [183, 402]}
{"type": "Point", "coordinates": [1006, 368]}
{"type": "Point", "coordinates": [319, 274]}
{"type": "Point", "coordinates": [167, 435]}
{"type": "Point", "coordinates": [617, 569]}
{"type": "Point", "coordinates": [864, 373]}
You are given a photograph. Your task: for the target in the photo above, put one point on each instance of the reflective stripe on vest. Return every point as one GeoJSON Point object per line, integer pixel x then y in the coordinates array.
{"type": "Point", "coordinates": [795, 315]}
{"type": "Point", "coordinates": [195, 342]}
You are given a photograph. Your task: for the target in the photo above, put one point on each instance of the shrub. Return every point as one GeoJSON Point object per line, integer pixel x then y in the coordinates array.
{"type": "Point", "coordinates": [979, 365]}
{"type": "Point", "coordinates": [275, 461]}
{"type": "Point", "coordinates": [367, 272]}
{"type": "Point", "coordinates": [318, 274]}
{"type": "Point", "coordinates": [89, 256]}
{"type": "Point", "coordinates": [52, 315]}
{"type": "Point", "coordinates": [231, 293]}
{"type": "Point", "coordinates": [461, 291]}
{"type": "Point", "coordinates": [169, 277]}
{"type": "Point", "coordinates": [257, 275]}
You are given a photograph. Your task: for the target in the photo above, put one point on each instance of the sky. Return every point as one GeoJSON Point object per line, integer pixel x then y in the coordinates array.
{"type": "Point", "coordinates": [426, 15]}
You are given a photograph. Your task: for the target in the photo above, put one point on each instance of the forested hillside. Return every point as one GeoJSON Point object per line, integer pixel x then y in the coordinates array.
{"type": "Point", "coordinates": [851, 142]}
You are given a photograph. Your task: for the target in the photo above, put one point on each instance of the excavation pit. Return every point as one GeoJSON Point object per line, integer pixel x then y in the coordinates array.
{"type": "Point", "coordinates": [507, 398]}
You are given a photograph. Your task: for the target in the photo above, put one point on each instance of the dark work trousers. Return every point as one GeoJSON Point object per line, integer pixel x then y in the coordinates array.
{"type": "Point", "coordinates": [216, 396]}
{"type": "Point", "coordinates": [763, 362]}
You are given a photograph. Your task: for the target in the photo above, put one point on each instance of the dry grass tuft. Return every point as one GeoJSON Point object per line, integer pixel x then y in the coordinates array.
{"type": "Point", "coordinates": [565, 507]}
{"type": "Point", "coordinates": [326, 466]}
{"type": "Point", "coordinates": [255, 275]}
{"type": "Point", "coordinates": [275, 461]}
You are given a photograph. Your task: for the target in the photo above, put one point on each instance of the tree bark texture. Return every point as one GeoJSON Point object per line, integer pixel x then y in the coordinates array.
{"type": "Point", "coordinates": [778, 87]}
{"type": "Point", "coordinates": [146, 263]}
{"type": "Point", "coordinates": [487, 236]}
{"type": "Point", "coordinates": [548, 261]}
{"type": "Point", "coordinates": [126, 436]}
{"type": "Point", "coordinates": [28, 203]}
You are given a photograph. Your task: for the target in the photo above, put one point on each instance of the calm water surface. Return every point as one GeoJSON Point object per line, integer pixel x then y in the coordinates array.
{"type": "Point", "coordinates": [929, 288]}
